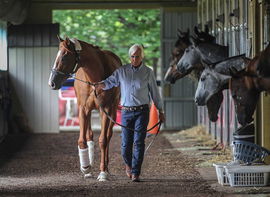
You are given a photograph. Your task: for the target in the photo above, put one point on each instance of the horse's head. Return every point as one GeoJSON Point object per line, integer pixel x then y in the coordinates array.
{"type": "Point", "coordinates": [204, 35]}
{"type": "Point", "coordinates": [216, 77]}
{"type": "Point", "coordinates": [192, 60]}
{"type": "Point", "coordinates": [189, 61]}
{"type": "Point", "coordinates": [65, 64]}
{"type": "Point", "coordinates": [180, 45]}
{"type": "Point", "coordinates": [245, 99]}
{"type": "Point", "coordinates": [172, 74]}
{"type": "Point", "coordinates": [210, 83]}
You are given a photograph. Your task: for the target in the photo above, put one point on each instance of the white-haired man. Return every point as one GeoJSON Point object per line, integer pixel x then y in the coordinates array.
{"type": "Point", "coordinates": [138, 87]}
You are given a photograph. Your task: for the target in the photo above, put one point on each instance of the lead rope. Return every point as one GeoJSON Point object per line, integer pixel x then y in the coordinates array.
{"type": "Point", "coordinates": [150, 144]}
{"type": "Point", "coordinates": [102, 108]}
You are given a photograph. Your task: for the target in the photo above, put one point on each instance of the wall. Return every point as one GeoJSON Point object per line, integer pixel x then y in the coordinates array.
{"type": "Point", "coordinates": [32, 50]}
{"type": "Point", "coordinates": [3, 45]}
{"type": "Point", "coordinates": [181, 111]}
{"type": "Point", "coordinates": [228, 22]}
{"type": "Point", "coordinates": [3, 81]}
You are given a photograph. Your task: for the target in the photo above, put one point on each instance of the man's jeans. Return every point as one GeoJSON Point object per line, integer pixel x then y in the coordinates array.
{"type": "Point", "coordinates": [137, 120]}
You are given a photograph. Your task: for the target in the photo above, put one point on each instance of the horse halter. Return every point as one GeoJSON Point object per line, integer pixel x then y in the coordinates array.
{"type": "Point", "coordinates": [77, 51]}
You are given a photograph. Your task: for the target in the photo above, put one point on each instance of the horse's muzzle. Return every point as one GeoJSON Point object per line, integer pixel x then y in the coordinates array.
{"type": "Point", "coordinates": [56, 80]}
{"type": "Point", "coordinates": [199, 101]}
{"type": "Point", "coordinates": [52, 85]}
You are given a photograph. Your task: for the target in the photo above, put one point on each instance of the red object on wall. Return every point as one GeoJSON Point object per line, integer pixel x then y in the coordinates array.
{"type": "Point", "coordinates": [68, 109]}
{"type": "Point", "coordinates": [67, 101]}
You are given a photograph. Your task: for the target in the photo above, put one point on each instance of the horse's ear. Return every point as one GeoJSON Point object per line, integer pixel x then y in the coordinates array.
{"type": "Point", "coordinates": [194, 41]}
{"type": "Point", "coordinates": [196, 31]}
{"type": "Point", "coordinates": [267, 44]}
{"type": "Point", "coordinates": [206, 29]}
{"type": "Point", "coordinates": [67, 40]}
{"type": "Point", "coordinates": [180, 33]}
{"type": "Point", "coordinates": [59, 38]}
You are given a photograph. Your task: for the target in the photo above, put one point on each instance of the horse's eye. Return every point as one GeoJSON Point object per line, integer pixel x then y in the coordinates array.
{"type": "Point", "coordinates": [203, 78]}
{"type": "Point", "coordinates": [187, 50]}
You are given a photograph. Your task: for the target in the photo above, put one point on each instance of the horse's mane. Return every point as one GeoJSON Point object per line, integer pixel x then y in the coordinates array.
{"type": "Point", "coordinates": [214, 48]}
{"type": "Point", "coordinates": [263, 68]}
{"type": "Point", "coordinates": [195, 74]}
{"type": "Point", "coordinates": [67, 47]}
{"type": "Point", "coordinates": [250, 69]}
{"type": "Point", "coordinates": [91, 45]}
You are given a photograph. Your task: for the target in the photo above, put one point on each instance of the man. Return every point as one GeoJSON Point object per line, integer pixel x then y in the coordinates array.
{"type": "Point", "coordinates": [138, 87]}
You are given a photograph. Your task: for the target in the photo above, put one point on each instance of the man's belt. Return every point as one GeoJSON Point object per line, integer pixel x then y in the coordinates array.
{"type": "Point", "coordinates": [135, 108]}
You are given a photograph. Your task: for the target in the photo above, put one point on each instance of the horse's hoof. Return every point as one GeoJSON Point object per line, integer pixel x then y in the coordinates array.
{"type": "Point", "coordinates": [103, 176]}
{"type": "Point", "coordinates": [88, 175]}
{"type": "Point", "coordinates": [86, 170]}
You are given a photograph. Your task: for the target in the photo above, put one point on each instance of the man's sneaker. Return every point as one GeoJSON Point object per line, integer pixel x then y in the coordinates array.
{"type": "Point", "coordinates": [135, 178]}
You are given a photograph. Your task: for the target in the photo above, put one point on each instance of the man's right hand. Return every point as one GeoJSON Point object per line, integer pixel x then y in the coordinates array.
{"type": "Point", "coordinates": [98, 86]}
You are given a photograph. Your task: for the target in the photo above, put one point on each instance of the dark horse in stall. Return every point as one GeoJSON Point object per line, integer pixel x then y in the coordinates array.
{"type": "Point", "coordinates": [195, 71]}
{"type": "Point", "coordinates": [246, 86]}
{"type": "Point", "coordinates": [172, 74]}
{"type": "Point", "coordinates": [91, 64]}
{"type": "Point", "coordinates": [183, 41]}
{"type": "Point", "coordinates": [215, 76]}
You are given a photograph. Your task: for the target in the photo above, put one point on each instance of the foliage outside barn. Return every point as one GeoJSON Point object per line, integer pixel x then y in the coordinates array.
{"type": "Point", "coordinates": [115, 30]}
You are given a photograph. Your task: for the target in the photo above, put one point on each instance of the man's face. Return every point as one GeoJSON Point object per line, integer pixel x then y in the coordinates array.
{"type": "Point", "coordinates": [136, 58]}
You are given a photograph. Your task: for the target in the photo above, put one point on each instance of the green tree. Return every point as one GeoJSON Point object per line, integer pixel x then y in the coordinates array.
{"type": "Point", "coordinates": [114, 30]}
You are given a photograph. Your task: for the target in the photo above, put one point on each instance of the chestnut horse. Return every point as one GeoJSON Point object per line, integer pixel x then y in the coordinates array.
{"type": "Point", "coordinates": [91, 64]}
{"type": "Point", "coordinates": [246, 89]}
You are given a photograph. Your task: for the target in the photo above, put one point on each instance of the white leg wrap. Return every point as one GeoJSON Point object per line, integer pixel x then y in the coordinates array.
{"type": "Point", "coordinates": [84, 160]}
{"type": "Point", "coordinates": [103, 176]}
{"type": "Point", "coordinates": [91, 145]}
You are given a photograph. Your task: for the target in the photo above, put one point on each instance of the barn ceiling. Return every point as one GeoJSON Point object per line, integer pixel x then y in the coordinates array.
{"type": "Point", "coordinates": [40, 11]}
{"type": "Point", "coordinates": [115, 3]}
{"type": "Point", "coordinates": [14, 11]}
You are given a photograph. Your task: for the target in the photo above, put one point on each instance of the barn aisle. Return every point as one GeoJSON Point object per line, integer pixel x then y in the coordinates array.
{"type": "Point", "coordinates": [48, 165]}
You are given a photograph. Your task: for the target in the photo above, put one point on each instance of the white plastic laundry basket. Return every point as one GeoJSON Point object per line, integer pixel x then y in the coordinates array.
{"type": "Point", "coordinates": [221, 173]}
{"type": "Point", "coordinates": [248, 175]}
